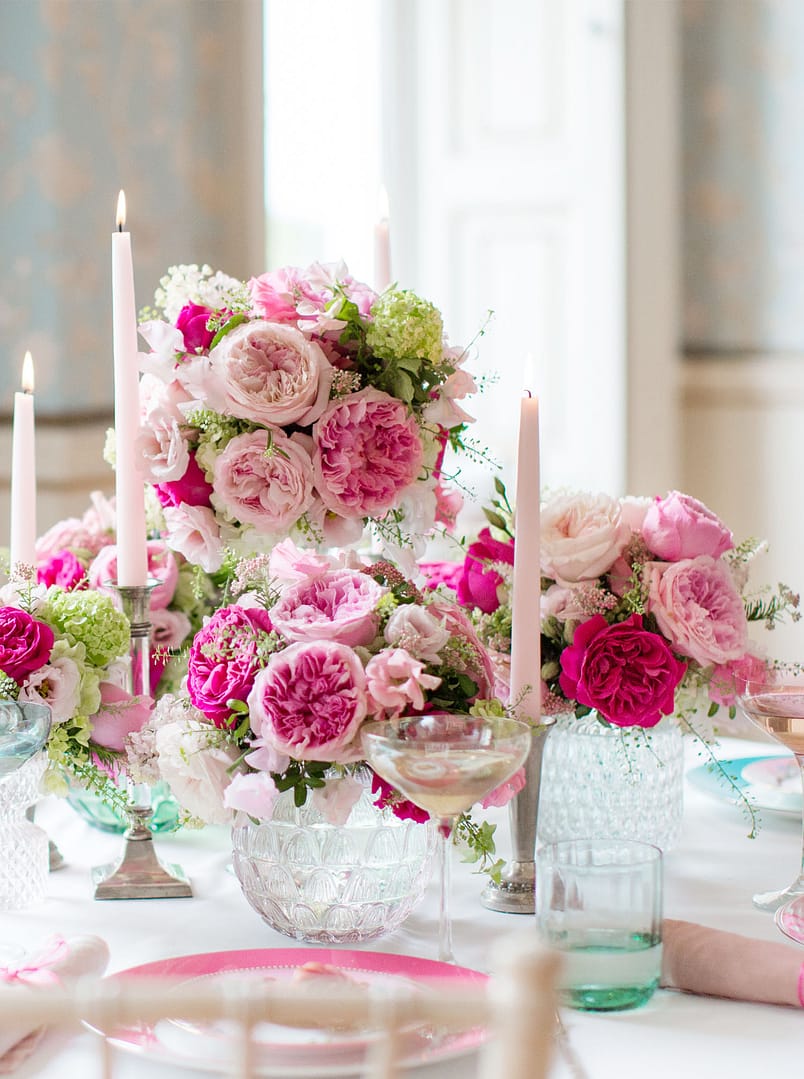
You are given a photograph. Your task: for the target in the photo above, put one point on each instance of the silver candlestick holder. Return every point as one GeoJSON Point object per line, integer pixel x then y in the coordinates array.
{"type": "Point", "coordinates": [139, 874]}
{"type": "Point", "coordinates": [516, 892]}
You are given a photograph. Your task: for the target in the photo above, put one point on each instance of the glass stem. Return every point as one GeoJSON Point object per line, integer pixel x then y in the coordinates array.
{"type": "Point", "coordinates": [445, 826]}
{"type": "Point", "coordinates": [799, 884]}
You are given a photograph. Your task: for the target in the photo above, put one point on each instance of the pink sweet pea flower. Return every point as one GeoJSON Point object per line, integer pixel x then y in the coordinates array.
{"type": "Point", "coordinates": [120, 714]}
{"type": "Point", "coordinates": [397, 682]}
{"type": "Point", "coordinates": [162, 567]}
{"type": "Point", "coordinates": [446, 573]}
{"type": "Point", "coordinates": [253, 793]}
{"type": "Point", "coordinates": [192, 487]}
{"type": "Point", "coordinates": [479, 584]}
{"type": "Point", "coordinates": [192, 322]}
{"type": "Point", "coordinates": [503, 794]}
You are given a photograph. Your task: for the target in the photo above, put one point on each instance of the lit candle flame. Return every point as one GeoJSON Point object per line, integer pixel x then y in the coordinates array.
{"type": "Point", "coordinates": [121, 210]}
{"type": "Point", "coordinates": [28, 374]}
{"type": "Point", "coordinates": [383, 207]}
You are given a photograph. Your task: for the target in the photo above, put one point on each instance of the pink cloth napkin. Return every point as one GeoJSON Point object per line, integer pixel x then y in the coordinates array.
{"type": "Point", "coordinates": [717, 964]}
{"type": "Point", "coordinates": [60, 962]}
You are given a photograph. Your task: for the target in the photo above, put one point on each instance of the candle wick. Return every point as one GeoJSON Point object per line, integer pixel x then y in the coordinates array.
{"type": "Point", "coordinates": [119, 226]}
{"type": "Point", "coordinates": [528, 392]}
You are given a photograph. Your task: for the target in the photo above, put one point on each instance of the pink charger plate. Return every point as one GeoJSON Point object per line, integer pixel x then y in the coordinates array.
{"type": "Point", "coordinates": [292, 1052]}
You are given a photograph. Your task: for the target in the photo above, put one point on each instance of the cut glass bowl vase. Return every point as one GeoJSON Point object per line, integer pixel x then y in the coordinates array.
{"type": "Point", "coordinates": [333, 884]}
{"type": "Point", "coordinates": [24, 855]}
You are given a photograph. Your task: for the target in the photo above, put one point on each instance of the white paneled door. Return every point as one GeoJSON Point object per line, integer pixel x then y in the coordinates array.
{"type": "Point", "coordinates": [504, 157]}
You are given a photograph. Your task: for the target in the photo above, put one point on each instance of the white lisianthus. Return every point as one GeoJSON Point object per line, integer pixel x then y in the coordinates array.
{"type": "Point", "coordinates": [195, 763]}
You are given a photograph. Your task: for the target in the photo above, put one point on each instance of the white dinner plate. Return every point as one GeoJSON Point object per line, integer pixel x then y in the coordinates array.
{"type": "Point", "coordinates": [770, 783]}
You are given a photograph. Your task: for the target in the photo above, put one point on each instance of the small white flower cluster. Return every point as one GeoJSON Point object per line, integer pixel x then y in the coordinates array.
{"type": "Point", "coordinates": [193, 284]}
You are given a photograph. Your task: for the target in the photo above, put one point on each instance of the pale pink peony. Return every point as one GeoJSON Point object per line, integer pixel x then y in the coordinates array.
{"type": "Point", "coordinates": [367, 451]}
{"type": "Point", "coordinates": [162, 568]}
{"type": "Point", "coordinates": [253, 793]}
{"type": "Point", "coordinates": [194, 533]}
{"type": "Point", "coordinates": [310, 701]}
{"type": "Point", "coordinates": [582, 535]}
{"type": "Point", "coordinates": [270, 375]}
{"type": "Point", "coordinates": [697, 606]}
{"type": "Point", "coordinates": [268, 490]}
{"type": "Point", "coordinates": [340, 605]}
{"type": "Point", "coordinates": [679, 527]}
{"type": "Point", "coordinates": [397, 682]}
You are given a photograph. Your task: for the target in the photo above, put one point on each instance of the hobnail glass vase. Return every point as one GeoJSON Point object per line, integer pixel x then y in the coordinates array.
{"type": "Point", "coordinates": [333, 884]}
{"type": "Point", "coordinates": [24, 855]}
{"type": "Point", "coordinates": [612, 782]}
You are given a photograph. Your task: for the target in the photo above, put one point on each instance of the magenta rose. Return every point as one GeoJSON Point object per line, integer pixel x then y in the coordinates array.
{"type": "Point", "coordinates": [25, 643]}
{"type": "Point", "coordinates": [310, 701]}
{"type": "Point", "coordinates": [698, 607]}
{"type": "Point", "coordinates": [64, 570]}
{"type": "Point", "coordinates": [340, 605]}
{"type": "Point", "coordinates": [446, 573]}
{"type": "Point", "coordinates": [224, 658]}
{"type": "Point", "coordinates": [679, 526]}
{"type": "Point", "coordinates": [367, 451]}
{"type": "Point", "coordinates": [192, 323]}
{"type": "Point", "coordinates": [162, 568]}
{"type": "Point", "coordinates": [268, 490]}
{"type": "Point", "coordinates": [388, 797]}
{"type": "Point", "coordinates": [478, 585]}
{"type": "Point", "coordinates": [193, 488]}
{"type": "Point", "coordinates": [624, 671]}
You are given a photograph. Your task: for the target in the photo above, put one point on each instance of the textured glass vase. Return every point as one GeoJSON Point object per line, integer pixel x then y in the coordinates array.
{"type": "Point", "coordinates": [611, 782]}
{"type": "Point", "coordinates": [333, 884]}
{"type": "Point", "coordinates": [24, 855]}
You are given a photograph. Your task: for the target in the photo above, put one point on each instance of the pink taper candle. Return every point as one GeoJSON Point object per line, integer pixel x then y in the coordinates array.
{"type": "Point", "coordinates": [382, 244]}
{"type": "Point", "coordinates": [132, 562]}
{"type": "Point", "coordinates": [526, 590]}
{"type": "Point", "coordinates": [23, 472]}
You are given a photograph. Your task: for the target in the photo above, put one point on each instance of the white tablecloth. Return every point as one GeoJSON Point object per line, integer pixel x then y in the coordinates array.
{"type": "Point", "coordinates": [710, 878]}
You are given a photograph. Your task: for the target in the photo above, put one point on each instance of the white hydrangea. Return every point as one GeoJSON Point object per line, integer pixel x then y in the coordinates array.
{"type": "Point", "coordinates": [193, 284]}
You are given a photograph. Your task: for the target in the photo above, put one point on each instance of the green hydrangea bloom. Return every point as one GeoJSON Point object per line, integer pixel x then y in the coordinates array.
{"type": "Point", "coordinates": [88, 618]}
{"type": "Point", "coordinates": [405, 327]}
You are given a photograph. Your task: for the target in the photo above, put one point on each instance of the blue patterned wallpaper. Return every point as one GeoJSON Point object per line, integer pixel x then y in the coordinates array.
{"type": "Point", "coordinates": [743, 175]}
{"type": "Point", "coordinates": [96, 95]}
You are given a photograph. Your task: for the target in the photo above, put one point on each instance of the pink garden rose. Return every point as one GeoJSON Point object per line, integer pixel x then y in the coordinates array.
{"type": "Point", "coordinates": [340, 605]}
{"type": "Point", "coordinates": [270, 375]}
{"type": "Point", "coordinates": [698, 607]}
{"type": "Point", "coordinates": [224, 658]}
{"type": "Point", "coordinates": [194, 533]}
{"type": "Point", "coordinates": [25, 643]}
{"type": "Point", "coordinates": [582, 535]}
{"type": "Point", "coordinates": [162, 568]}
{"type": "Point", "coordinates": [192, 487]}
{"type": "Point", "coordinates": [192, 322]}
{"type": "Point", "coordinates": [63, 569]}
{"type": "Point", "coordinates": [679, 526]}
{"type": "Point", "coordinates": [268, 490]}
{"type": "Point", "coordinates": [367, 451]}
{"type": "Point", "coordinates": [479, 584]}
{"type": "Point", "coordinates": [310, 701]}
{"type": "Point", "coordinates": [397, 682]}
{"type": "Point", "coordinates": [475, 661]}
{"type": "Point", "coordinates": [624, 671]}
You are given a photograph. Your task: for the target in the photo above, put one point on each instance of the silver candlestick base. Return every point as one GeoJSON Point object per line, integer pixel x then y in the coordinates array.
{"type": "Point", "coordinates": [516, 892]}
{"type": "Point", "coordinates": [139, 874]}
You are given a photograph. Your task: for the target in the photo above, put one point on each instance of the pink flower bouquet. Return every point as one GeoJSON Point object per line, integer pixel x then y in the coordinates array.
{"type": "Point", "coordinates": [281, 681]}
{"type": "Point", "coordinates": [643, 604]}
{"type": "Point", "coordinates": [299, 404]}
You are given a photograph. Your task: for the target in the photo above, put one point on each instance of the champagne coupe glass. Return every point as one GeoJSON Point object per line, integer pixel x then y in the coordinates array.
{"type": "Point", "coordinates": [774, 701]}
{"type": "Point", "coordinates": [444, 763]}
